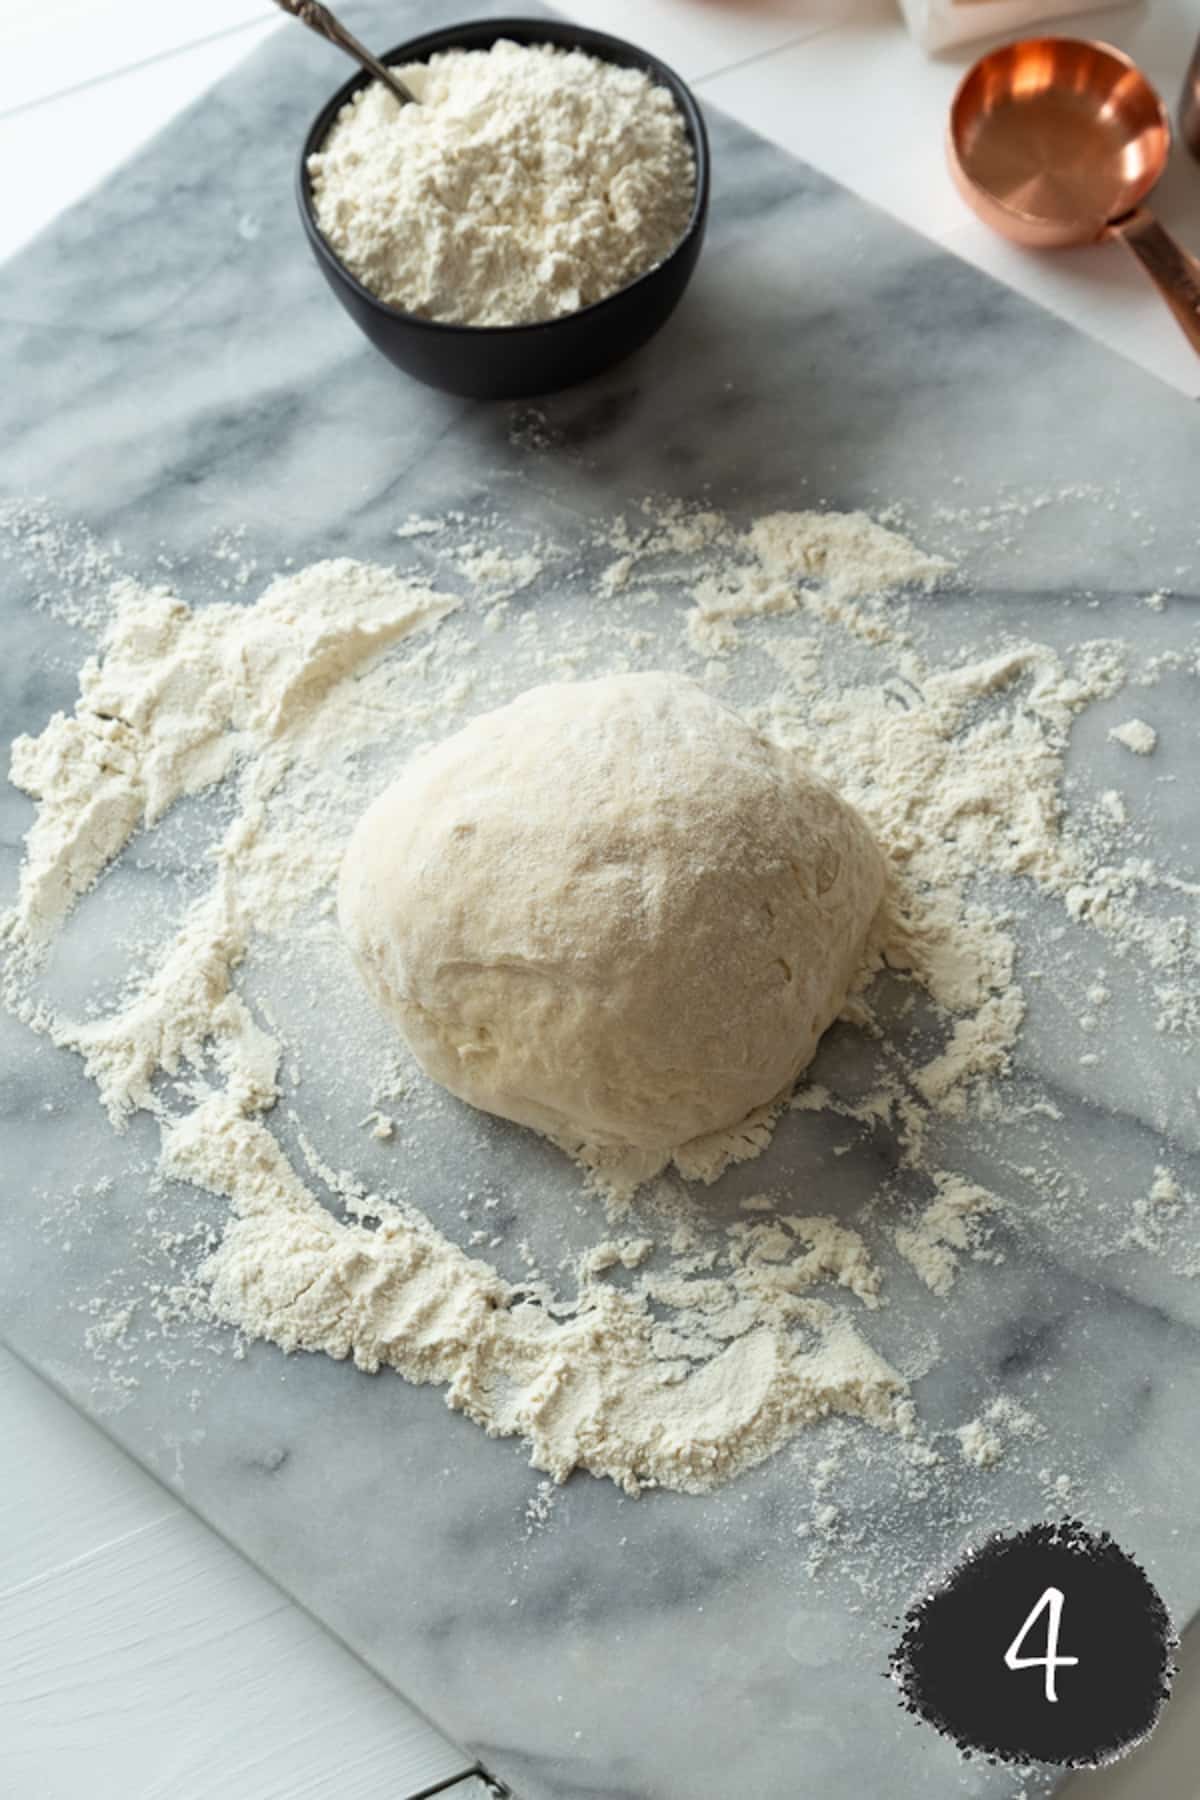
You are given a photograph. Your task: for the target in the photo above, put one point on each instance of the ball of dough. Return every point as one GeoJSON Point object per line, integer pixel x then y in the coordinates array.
{"type": "Point", "coordinates": [611, 910]}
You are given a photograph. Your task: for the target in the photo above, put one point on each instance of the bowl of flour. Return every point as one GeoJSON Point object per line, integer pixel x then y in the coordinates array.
{"type": "Point", "coordinates": [533, 220]}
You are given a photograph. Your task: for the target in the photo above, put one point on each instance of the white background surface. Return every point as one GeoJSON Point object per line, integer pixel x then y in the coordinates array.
{"type": "Point", "coordinates": [141, 1657]}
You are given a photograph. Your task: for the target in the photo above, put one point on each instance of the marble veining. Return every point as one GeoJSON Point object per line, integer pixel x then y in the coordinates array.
{"type": "Point", "coordinates": [175, 365]}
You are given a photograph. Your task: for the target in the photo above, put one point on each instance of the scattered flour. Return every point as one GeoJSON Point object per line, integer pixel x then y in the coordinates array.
{"type": "Point", "coordinates": [951, 1225]}
{"type": "Point", "coordinates": [491, 568]}
{"type": "Point", "coordinates": [1154, 1212]}
{"type": "Point", "coordinates": [529, 182]}
{"type": "Point", "coordinates": [984, 1441]}
{"type": "Point", "coordinates": [1135, 735]}
{"type": "Point", "coordinates": [980, 1445]}
{"type": "Point", "coordinates": [819, 562]}
{"type": "Point", "coordinates": [176, 698]}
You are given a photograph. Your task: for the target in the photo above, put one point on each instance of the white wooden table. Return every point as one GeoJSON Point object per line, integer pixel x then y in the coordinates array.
{"type": "Point", "coordinates": [140, 1656]}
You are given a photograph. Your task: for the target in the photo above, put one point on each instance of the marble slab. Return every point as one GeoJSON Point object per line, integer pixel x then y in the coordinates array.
{"type": "Point", "coordinates": [174, 366]}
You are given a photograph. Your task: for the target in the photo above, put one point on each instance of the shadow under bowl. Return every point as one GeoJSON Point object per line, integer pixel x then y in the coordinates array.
{"type": "Point", "coordinates": [504, 362]}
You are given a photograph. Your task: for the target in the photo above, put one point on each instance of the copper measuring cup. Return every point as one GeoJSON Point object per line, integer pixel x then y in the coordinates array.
{"type": "Point", "coordinates": [1057, 141]}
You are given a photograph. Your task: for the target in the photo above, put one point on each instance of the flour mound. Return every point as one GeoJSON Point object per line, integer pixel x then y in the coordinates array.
{"type": "Point", "coordinates": [612, 911]}
{"type": "Point", "coordinates": [529, 182]}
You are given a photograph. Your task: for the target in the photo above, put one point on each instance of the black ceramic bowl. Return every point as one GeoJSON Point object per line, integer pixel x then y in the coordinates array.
{"type": "Point", "coordinates": [499, 362]}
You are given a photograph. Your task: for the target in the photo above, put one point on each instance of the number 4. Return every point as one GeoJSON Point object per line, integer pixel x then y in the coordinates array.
{"type": "Point", "coordinates": [1052, 1603]}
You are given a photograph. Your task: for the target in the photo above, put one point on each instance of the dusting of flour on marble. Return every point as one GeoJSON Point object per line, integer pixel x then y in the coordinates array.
{"type": "Point", "coordinates": [685, 1336]}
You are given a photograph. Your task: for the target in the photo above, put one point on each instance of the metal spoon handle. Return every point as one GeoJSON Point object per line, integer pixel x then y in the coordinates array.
{"type": "Point", "coordinates": [318, 18]}
{"type": "Point", "coordinates": [1174, 273]}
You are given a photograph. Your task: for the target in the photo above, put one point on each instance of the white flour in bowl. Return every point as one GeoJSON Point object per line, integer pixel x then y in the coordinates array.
{"type": "Point", "coordinates": [529, 182]}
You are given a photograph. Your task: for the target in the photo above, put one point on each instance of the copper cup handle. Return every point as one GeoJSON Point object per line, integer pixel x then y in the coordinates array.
{"type": "Point", "coordinates": [1174, 273]}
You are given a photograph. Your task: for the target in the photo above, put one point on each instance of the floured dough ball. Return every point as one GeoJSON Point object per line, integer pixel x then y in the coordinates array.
{"type": "Point", "coordinates": [611, 910]}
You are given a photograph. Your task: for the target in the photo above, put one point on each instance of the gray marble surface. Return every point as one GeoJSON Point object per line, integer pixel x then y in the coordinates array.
{"type": "Point", "coordinates": [174, 365]}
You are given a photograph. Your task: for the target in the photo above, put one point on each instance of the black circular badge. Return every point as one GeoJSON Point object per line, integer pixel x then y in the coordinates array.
{"type": "Point", "coordinates": [1048, 1646]}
